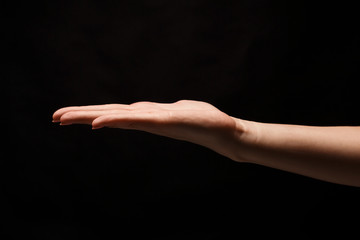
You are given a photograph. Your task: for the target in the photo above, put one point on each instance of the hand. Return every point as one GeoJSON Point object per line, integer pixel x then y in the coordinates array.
{"type": "Point", "coordinates": [193, 121]}
{"type": "Point", "coordinates": [326, 153]}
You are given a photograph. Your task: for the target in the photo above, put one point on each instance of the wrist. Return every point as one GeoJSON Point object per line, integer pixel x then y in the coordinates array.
{"type": "Point", "coordinates": [245, 137]}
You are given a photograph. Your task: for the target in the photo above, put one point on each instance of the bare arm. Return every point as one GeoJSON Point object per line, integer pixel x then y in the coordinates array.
{"type": "Point", "coordinates": [327, 153]}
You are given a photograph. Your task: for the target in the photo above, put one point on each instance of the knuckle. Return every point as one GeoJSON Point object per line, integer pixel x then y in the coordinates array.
{"type": "Point", "coordinates": [182, 101]}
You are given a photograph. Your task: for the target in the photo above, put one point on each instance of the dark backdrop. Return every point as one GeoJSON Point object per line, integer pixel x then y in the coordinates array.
{"type": "Point", "coordinates": [259, 60]}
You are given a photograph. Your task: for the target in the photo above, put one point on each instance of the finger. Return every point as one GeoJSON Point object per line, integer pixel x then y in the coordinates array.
{"type": "Point", "coordinates": [57, 114]}
{"type": "Point", "coordinates": [85, 117]}
{"type": "Point", "coordinates": [132, 120]}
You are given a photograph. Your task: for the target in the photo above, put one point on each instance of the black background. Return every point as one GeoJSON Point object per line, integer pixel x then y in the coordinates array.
{"type": "Point", "coordinates": [262, 60]}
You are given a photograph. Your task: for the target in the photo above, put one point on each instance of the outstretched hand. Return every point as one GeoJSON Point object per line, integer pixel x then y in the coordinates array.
{"type": "Point", "coordinates": [326, 153]}
{"type": "Point", "coordinates": [193, 121]}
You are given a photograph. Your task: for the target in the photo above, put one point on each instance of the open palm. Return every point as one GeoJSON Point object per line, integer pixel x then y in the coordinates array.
{"type": "Point", "coordinates": [192, 121]}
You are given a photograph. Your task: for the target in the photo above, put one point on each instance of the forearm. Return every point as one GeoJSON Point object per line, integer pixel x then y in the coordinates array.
{"type": "Point", "coordinates": [327, 153]}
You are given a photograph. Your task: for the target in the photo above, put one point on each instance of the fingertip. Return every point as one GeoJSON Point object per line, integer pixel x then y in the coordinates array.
{"type": "Point", "coordinates": [97, 123]}
{"type": "Point", "coordinates": [65, 119]}
{"type": "Point", "coordinates": [56, 116]}
{"type": "Point", "coordinates": [96, 126]}
{"type": "Point", "coordinates": [59, 113]}
{"type": "Point", "coordinates": [103, 121]}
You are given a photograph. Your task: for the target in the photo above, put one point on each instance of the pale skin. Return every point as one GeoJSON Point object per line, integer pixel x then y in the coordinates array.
{"type": "Point", "coordinates": [330, 154]}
